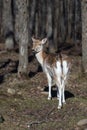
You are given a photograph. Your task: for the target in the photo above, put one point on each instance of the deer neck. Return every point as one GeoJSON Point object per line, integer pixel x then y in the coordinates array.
{"type": "Point", "coordinates": [39, 57]}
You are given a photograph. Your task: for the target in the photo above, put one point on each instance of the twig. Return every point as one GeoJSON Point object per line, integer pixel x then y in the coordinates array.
{"type": "Point", "coordinates": [43, 121]}
{"type": "Point", "coordinates": [2, 52]}
{"type": "Point", "coordinates": [36, 123]}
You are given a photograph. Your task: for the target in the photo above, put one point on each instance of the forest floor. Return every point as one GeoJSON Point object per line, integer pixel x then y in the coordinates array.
{"type": "Point", "coordinates": [24, 104]}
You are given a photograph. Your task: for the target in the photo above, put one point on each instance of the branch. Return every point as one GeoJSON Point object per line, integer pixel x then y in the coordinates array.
{"type": "Point", "coordinates": [43, 121]}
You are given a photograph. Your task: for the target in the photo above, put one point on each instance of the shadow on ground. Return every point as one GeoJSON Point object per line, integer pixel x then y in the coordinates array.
{"type": "Point", "coordinates": [1, 79]}
{"type": "Point", "coordinates": [54, 92]}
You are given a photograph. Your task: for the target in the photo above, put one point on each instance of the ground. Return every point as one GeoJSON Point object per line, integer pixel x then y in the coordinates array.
{"type": "Point", "coordinates": [24, 104]}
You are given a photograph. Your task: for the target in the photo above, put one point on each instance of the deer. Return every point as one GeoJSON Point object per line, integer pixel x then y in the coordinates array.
{"type": "Point", "coordinates": [56, 68]}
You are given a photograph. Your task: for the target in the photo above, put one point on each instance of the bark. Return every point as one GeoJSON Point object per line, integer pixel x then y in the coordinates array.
{"type": "Point", "coordinates": [56, 24]}
{"type": "Point", "coordinates": [59, 20]}
{"type": "Point", "coordinates": [70, 6]}
{"type": "Point", "coordinates": [41, 15]}
{"type": "Point", "coordinates": [84, 35]}
{"type": "Point", "coordinates": [65, 14]}
{"type": "Point", "coordinates": [8, 29]}
{"type": "Point", "coordinates": [49, 20]}
{"type": "Point", "coordinates": [50, 26]}
{"type": "Point", "coordinates": [43, 18]}
{"type": "Point", "coordinates": [77, 20]}
{"type": "Point", "coordinates": [32, 18]}
{"type": "Point", "coordinates": [36, 26]}
{"type": "Point", "coordinates": [22, 31]}
{"type": "Point", "coordinates": [77, 23]}
{"type": "Point", "coordinates": [0, 19]}
{"type": "Point", "coordinates": [62, 30]}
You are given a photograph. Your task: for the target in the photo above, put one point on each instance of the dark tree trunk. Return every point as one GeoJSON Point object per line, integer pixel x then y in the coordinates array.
{"type": "Point", "coordinates": [36, 25]}
{"type": "Point", "coordinates": [56, 24]}
{"type": "Point", "coordinates": [59, 20]}
{"type": "Point", "coordinates": [62, 26]}
{"type": "Point", "coordinates": [50, 25]}
{"type": "Point", "coordinates": [21, 28]}
{"type": "Point", "coordinates": [84, 35]}
{"type": "Point", "coordinates": [1, 4]}
{"type": "Point", "coordinates": [70, 6]}
{"type": "Point", "coordinates": [43, 18]}
{"type": "Point", "coordinates": [77, 21]}
{"type": "Point", "coordinates": [32, 17]}
{"type": "Point", "coordinates": [8, 24]}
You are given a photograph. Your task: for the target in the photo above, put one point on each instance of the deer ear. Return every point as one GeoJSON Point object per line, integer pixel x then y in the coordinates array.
{"type": "Point", "coordinates": [44, 40]}
{"type": "Point", "coordinates": [33, 39]}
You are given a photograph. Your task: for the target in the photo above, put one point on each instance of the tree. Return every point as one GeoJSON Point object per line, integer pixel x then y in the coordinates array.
{"type": "Point", "coordinates": [50, 25]}
{"type": "Point", "coordinates": [59, 20]}
{"type": "Point", "coordinates": [84, 35]}
{"type": "Point", "coordinates": [56, 23]}
{"type": "Point", "coordinates": [0, 19]}
{"type": "Point", "coordinates": [21, 28]}
{"type": "Point", "coordinates": [8, 29]}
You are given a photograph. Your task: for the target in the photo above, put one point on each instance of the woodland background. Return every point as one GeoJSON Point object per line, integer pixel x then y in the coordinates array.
{"type": "Point", "coordinates": [59, 21]}
{"type": "Point", "coordinates": [23, 91]}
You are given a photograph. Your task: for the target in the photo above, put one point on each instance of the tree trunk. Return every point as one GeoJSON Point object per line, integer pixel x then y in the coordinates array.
{"type": "Point", "coordinates": [56, 24]}
{"type": "Point", "coordinates": [8, 24]}
{"type": "Point", "coordinates": [77, 34]}
{"type": "Point", "coordinates": [22, 31]}
{"type": "Point", "coordinates": [84, 35]}
{"type": "Point", "coordinates": [32, 18]}
{"type": "Point", "coordinates": [62, 31]}
{"type": "Point", "coordinates": [59, 20]}
{"type": "Point", "coordinates": [50, 26]}
{"type": "Point", "coordinates": [43, 18]}
{"type": "Point", "coordinates": [0, 20]}
{"type": "Point", "coordinates": [70, 20]}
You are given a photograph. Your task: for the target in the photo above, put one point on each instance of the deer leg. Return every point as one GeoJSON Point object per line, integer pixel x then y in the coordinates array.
{"type": "Point", "coordinates": [49, 84]}
{"type": "Point", "coordinates": [60, 98]}
{"type": "Point", "coordinates": [58, 83]}
{"type": "Point", "coordinates": [63, 91]}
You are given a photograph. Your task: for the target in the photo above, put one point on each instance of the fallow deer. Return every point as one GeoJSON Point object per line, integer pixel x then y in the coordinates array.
{"type": "Point", "coordinates": [56, 68]}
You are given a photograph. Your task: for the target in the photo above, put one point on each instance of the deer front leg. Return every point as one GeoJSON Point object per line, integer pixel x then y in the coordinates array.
{"type": "Point", "coordinates": [49, 84]}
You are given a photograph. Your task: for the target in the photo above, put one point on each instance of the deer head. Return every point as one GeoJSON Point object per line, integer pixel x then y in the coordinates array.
{"type": "Point", "coordinates": [38, 44]}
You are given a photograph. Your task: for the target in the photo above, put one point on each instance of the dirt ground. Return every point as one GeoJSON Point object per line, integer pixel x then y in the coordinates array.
{"type": "Point", "coordinates": [24, 104]}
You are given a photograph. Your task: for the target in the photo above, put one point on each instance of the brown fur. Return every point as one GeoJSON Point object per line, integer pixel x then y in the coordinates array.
{"type": "Point", "coordinates": [56, 68]}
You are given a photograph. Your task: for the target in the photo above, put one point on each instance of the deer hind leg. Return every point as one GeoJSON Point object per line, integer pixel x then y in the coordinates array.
{"type": "Point", "coordinates": [63, 91]}
{"type": "Point", "coordinates": [64, 80]}
{"type": "Point", "coordinates": [49, 84]}
{"type": "Point", "coordinates": [60, 92]}
{"type": "Point", "coordinates": [61, 96]}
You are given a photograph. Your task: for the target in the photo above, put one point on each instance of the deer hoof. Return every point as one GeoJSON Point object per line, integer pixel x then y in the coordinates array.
{"type": "Point", "coordinates": [59, 107]}
{"type": "Point", "coordinates": [64, 103]}
{"type": "Point", "coordinates": [49, 98]}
